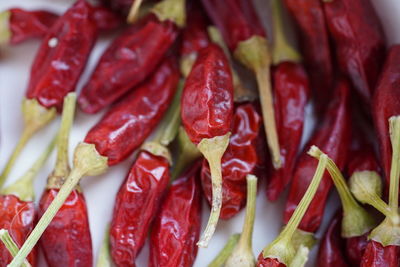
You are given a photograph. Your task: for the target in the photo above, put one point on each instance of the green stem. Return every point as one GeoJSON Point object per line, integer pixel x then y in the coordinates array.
{"type": "Point", "coordinates": [394, 128]}
{"type": "Point", "coordinates": [104, 258]}
{"type": "Point", "coordinates": [174, 10]}
{"type": "Point", "coordinates": [11, 245]}
{"type": "Point", "coordinates": [5, 32]}
{"type": "Point", "coordinates": [282, 247]}
{"type": "Point", "coordinates": [134, 11]}
{"type": "Point", "coordinates": [23, 187]}
{"type": "Point", "coordinates": [225, 252]}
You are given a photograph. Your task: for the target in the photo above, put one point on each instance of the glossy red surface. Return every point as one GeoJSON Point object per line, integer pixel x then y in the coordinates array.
{"type": "Point", "coordinates": [127, 124]}
{"type": "Point", "coordinates": [376, 255]}
{"type": "Point", "coordinates": [268, 262]}
{"type": "Point", "coordinates": [137, 203]}
{"type": "Point", "coordinates": [355, 247]}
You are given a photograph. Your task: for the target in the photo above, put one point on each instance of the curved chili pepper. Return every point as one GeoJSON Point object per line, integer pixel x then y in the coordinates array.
{"type": "Point", "coordinates": [291, 89]}
{"type": "Point", "coordinates": [331, 251]}
{"type": "Point", "coordinates": [22, 25]}
{"type": "Point", "coordinates": [333, 136]}
{"type": "Point", "coordinates": [360, 42]}
{"type": "Point", "coordinates": [240, 159]}
{"type": "Point", "coordinates": [310, 19]}
{"type": "Point", "coordinates": [376, 255]}
{"type": "Point", "coordinates": [129, 59]}
{"type": "Point", "coordinates": [106, 19]}
{"type": "Point", "coordinates": [18, 217]}
{"type": "Point", "coordinates": [136, 204]}
{"type": "Point", "coordinates": [126, 125]}
{"type": "Point", "coordinates": [386, 104]}
{"type": "Point", "coordinates": [176, 228]}
{"type": "Point", "coordinates": [67, 240]}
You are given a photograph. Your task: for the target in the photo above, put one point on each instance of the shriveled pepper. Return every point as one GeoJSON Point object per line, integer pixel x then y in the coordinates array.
{"type": "Point", "coordinates": [206, 112]}
{"type": "Point", "coordinates": [133, 56]}
{"type": "Point", "coordinates": [246, 39]}
{"type": "Point", "coordinates": [240, 159]}
{"type": "Point", "coordinates": [359, 42]}
{"type": "Point", "coordinates": [333, 137]}
{"type": "Point", "coordinates": [177, 226]}
{"type": "Point", "coordinates": [291, 89]}
{"type": "Point", "coordinates": [55, 71]}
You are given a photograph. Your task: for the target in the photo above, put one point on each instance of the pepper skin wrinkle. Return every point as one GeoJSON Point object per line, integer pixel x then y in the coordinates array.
{"type": "Point", "coordinates": [376, 255]}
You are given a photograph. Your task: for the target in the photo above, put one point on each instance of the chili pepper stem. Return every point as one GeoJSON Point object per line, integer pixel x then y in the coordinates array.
{"type": "Point", "coordinates": [242, 255]}
{"type": "Point", "coordinates": [5, 33]}
{"type": "Point", "coordinates": [104, 258]}
{"type": "Point", "coordinates": [282, 247]}
{"type": "Point", "coordinates": [282, 49]}
{"type": "Point", "coordinates": [174, 10]}
{"type": "Point", "coordinates": [225, 252]}
{"type": "Point", "coordinates": [356, 220]}
{"type": "Point", "coordinates": [134, 11]}
{"type": "Point", "coordinates": [254, 53]}
{"type": "Point", "coordinates": [87, 161]}
{"type": "Point", "coordinates": [158, 150]}
{"type": "Point", "coordinates": [10, 245]}
{"type": "Point", "coordinates": [35, 117]}
{"type": "Point", "coordinates": [213, 149]}
{"type": "Point", "coordinates": [186, 63]}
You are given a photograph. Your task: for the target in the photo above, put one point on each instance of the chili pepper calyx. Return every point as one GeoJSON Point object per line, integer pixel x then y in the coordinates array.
{"type": "Point", "coordinates": [88, 160]}
{"type": "Point", "coordinates": [5, 32]}
{"type": "Point", "coordinates": [282, 247]}
{"type": "Point", "coordinates": [134, 11]}
{"type": "Point", "coordinates": [11, 246]}
{"type": "Point", "coordinates": [158, 150]}
{"type": "Point", "coordinates": [388, 232]}
{"type": "Point", "coordinates": [174, 10]}
{"type": "Point", "coordinates": [365, 183]}
{"type": "Point", "coordinates": [301, 257]}
{"type": "Point", "coordinates": [303, 238]}
{"type": "Point", "coordinates": [186, 63]}
{"type": "Point", "coordinates": [213, 149]}
{"type": "Point", "coordinates": [356, 220]}
{"type": "Point", "coordinates": [225, 251]}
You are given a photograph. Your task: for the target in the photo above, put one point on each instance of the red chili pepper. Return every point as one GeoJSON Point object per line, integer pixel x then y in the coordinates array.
{"type": "Point", "coordinates": [310, 19]}
{"type": "Point", "coordinates": [177, 226]}
{"type": "Point", "coordinates": [376, 255]}
{"type": "Point", "coordinates": [331, 251]}
{"type": "Point", "coordinates": [132, 57]}
{"type": "Point", "coordinates": [126, 125]}
{"type": "Point", "coordinates": [268, 262]}
{"type": "Point", "coordinates": [23, 24]}
{"type": "Point", "coordinates": [333, 137]}
{"type": "Point", "coordinates": [67, 240]}
{"type": "Point", "coordinates": [360, 42]}
{"type": "Point", "coordinates": [136, 205]}
{"type": "Point", "coordinates": [240, 159]}
{"type": "Point", "coordinates": [386, 104]}
{"type": "Point", "coordinates": [106, 19]}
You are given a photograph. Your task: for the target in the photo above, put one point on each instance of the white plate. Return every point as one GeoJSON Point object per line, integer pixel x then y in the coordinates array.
{"type": "Point", "coordinates": [100, 191]}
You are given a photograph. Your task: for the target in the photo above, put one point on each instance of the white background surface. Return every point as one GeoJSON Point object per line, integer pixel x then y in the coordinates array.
{"type": "Point", "coordinates": [100, 191]}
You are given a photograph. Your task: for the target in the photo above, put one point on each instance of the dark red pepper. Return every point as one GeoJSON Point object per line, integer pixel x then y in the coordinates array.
{"type": "Point", "coordinates": [177, 226]}
{"type": "Point", "coordinates": [137, 202]}
{"type": "Point", "coordinates": [333, 137]}
{"type": "Point", "coordinates": [127, 124]}
{"type": "Point", "coordinates": [106, 19]}
{"type": "Point", "coordinates": [376, 255]}
{"type": "Point", "coordinates": [360, 42]}
{"type": "Point", "coordinates": [240, 158]}
{"type": "Point", "coordinates": [268, 262]}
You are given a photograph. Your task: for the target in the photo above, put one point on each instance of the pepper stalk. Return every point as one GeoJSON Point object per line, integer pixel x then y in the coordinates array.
{"type": "Point", "coordinates": [5, 32]}
{"type": "Point", "coordinates": [11, 245]}
{"type": "Point", "coordinates": [225, 252]}
{"type": "Point", "coordinates": [104, 258]}
{"type": "Point", "coordinates": [134, 11]}
{"type": "Point", "coordinates": [174, 10]}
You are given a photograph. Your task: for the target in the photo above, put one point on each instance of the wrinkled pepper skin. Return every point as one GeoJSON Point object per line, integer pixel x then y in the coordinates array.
{"type": "Point", "coordinates": [376, 255]}
{"type": "Point", "coordinates": [310, 19]}
{"type": "Point", "coordinates": [386, 104]}
{"type": "Point", "coordinates": [331, 250]}
{"type": "Point", "coordinates": [237, 20]}
{"type": "Point", "coordinates": [136, 205]}
{"type": "Point", "coordinates": [62, 56]}
{"type": "Point", "coordinates": [106, 19]}
{"type": "Point", "coordinates": [67, 240]}
{"type": "Point", "coordinates": [207, 98]}
{"type": "Point", "coordinates": [25, 24]}
{"type": "Point", "coordinates": [333, 137]}
{"type": "Point", "coordinates": [239, 159]}
{"type": "Point", "coordinates": [127, 124]}
{"type": "Point", "coordinates": [18, 217]}
{"type": "Point", "coordinates": [177, 227]}
{"type": "Point", "coordinates": [268, 262]}
{"type": "Point", "coordinates": [355, 248]}
{"type": "Point", "coordinates": [291, 89]}
{"type": "Point", "coordinates": [359, 42]}
{"type": "Point", "coordinates": [128, 60]}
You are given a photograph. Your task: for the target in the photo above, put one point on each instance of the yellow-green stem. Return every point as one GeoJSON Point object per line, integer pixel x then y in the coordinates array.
{"type": "Point", "coordinates": [225, 252]}
{"type": "Point", "coordinates": [174, 10]}
{"type": "Point", "coordinates": [104, 258]}
{"type": "Point", "coordinates": [5, 32]}
{"type": "Point", "coordinates": [134, 11]}
{"type": "Point", "coordinates": [11, 245]}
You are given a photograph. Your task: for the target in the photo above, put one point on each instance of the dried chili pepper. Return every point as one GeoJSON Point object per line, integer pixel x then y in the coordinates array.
{"type": "Point", "coordinates": [331, 251]}
{"type": "Point", "coordinates": [333, 137]}
{"type": "Point", "coordinates": [20, 25]}
{"type": "Point", "coordinates": [177, 226]}
{"type": "Point", "coordinates": [291, 88]}
{"type": "Point", "coordinates": [314, 39]}
{"type": "Point", "coordinates": [246, 38]}
{"type": "Point", "coordinates": [55, 71]}
{"type": "Point", "coordinates": [239, 160]}
{"type": "Point", "coordinates": [386, 104]}
{"type": "Point", "coordinates": [133, 56]}
{"type": "Point", "coordinates": [282, 251]}
{"type": "Point", "coordinates": [360, 42]}
{"type": "Point", "coordinates": [206, 112]}
{"type": "Point", "coordinates": [105, 19]}
{"type": "Point", "coordinates": [378, 255]}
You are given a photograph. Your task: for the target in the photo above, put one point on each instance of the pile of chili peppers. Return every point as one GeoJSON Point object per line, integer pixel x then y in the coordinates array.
{"type": "Point", "coordinates": [183, 113]}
